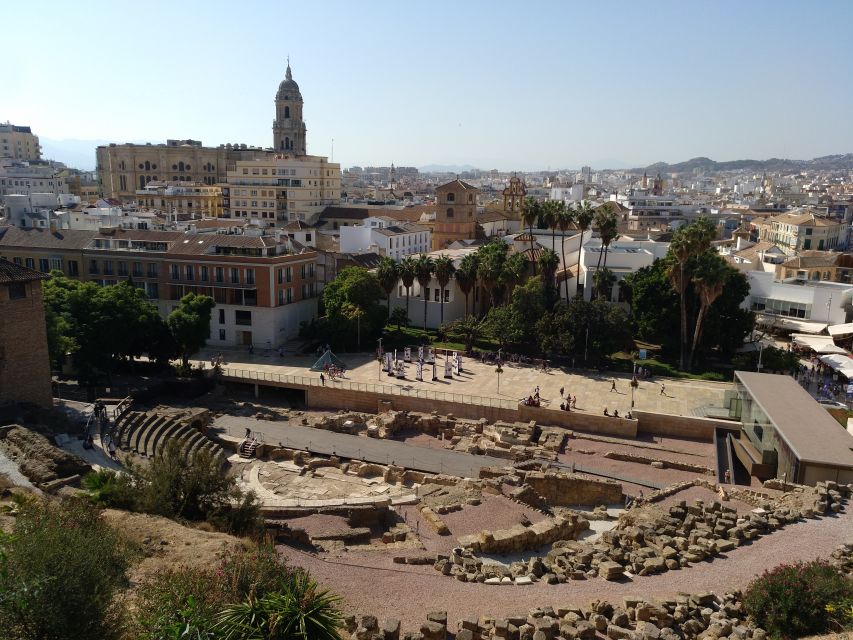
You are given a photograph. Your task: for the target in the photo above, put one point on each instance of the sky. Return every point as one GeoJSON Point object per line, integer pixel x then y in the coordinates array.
{"type": "Point", "coordinates": [507, 85]}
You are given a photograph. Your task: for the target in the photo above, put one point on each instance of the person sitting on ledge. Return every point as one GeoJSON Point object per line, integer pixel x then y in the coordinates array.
{"type": "Point", "coordinates": [606, 412]}
{"type": "Point", "coordinates": [629, 416]}
{"type": "Point", "coordinates": [616, 413]}
{"type": "Point", "coordinates": [562, 406]}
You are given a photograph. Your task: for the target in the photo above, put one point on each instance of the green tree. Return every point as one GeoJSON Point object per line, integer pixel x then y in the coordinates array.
{"type": "Point", "coordinates": [399, 317]}
{"type": "Point", "coordinates": [603, 280]}
{"type": "Point", "coordinates": [548, 263]}
{"type": "Point", "coordinates": [531, 209]}
{"type": "Point", "coordinates": [468, 330]}
{"type": "Point", "coordinates": [680, 252]}
{"type": "Point", "coordinates": [597, 330]}
{"type": "Point", "coordinates": [407, 275]}
{"type": "Point", "coordinates": [584, 216]}
{"type": "Point", "coordinates": [514, 271]}
{"type": "Point", "coordinates": [59, 572]}
{"type": "Point", "coordinates": [190, 324]}
{"type": "Point", "coordinates": [424, 268]}
{"type": "Point", "coordinates": [354, 287]}
{"type": "Point", "coordinates": [388, 273]}
{"type": "Point", "coordinates": [444, 271]}
{"type": "Point", "coordinates": [551, 212]}
{"type": "Point", "coordinates": [466, 276]}
{"type": "Point", "coordinates": [709, 278]}
{"type": "Point", "coordinates": [565, 220]}
{"type": "Point", "coordinates": [491, 258]}
{"type": "Point", "coordinates": [607, 226]}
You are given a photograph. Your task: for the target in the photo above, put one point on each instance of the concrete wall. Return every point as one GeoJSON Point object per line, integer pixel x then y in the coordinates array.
{"type": "Point", "coordinates": [665, 424]}
{"type": "Point", "coordinates": [603, 425]}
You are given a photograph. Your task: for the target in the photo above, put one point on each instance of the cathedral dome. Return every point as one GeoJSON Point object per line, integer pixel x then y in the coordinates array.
{"type": "Point", "coordinates": [288, 87]}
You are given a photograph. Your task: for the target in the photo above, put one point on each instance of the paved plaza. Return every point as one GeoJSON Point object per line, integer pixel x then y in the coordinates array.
{"type": "Point", "coordinates": [593, 390]}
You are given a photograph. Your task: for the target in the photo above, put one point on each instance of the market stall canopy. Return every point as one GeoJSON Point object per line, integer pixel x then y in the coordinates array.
{"type": "Point", "coordinates": [790, 324]}
{"type": "Point", "coordinates": [839, 363]}
{"type": "Point", "coordinates": [818, 344]}
{"type": "Point", "coordinates": [841, 329]}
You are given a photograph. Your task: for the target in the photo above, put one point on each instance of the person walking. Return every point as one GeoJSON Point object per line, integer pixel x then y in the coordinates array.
{"type": "Point", "coordinates": [562, 389]}
{"type": "Point", "coordinates": [613, 385]}
{"type": "Point", "coordinates": [662, 389]}
{"type": "Point", "coordinates": [322, 380]}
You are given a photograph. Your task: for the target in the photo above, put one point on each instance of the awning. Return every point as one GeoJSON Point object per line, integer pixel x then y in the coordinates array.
{"type": "Point", "coordinates": [790, 324]}
{"type": "Point", "coordinates": [818, 344]}
{"type": "Point", "coordinates": [839, 363]}
{"type": "Point", "coordinates": [841, 329]}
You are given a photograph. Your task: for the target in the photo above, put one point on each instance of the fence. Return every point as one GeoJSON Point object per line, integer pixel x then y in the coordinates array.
{"type": "Point", "coordinates": [246, 375]}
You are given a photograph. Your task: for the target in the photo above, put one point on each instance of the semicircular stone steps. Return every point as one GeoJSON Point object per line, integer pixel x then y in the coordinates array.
{"type": "Point", "coordinates": [146, 434]}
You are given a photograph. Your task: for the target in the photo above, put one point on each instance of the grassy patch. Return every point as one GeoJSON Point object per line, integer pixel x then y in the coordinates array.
{"type": "Point", "coordinates": [625, 362]}
{"type": "Point", "coordinates": [413, 336]}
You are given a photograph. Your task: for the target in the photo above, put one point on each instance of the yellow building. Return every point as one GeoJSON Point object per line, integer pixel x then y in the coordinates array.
{"type": "Point", "coordinates": [19, 143]}
{"type": "Point", "coordinates": [455, 213]}
{"type": "Point", "coordinates": [184, 198]}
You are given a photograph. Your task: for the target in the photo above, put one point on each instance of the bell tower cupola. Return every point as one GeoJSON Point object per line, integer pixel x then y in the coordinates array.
{"type": "Point", "coordinates": [288, 128]}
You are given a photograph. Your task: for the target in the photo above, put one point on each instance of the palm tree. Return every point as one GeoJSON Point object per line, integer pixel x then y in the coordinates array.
{"type": "Point", "coordinates": [548, 262]}
{"type": "Point", "coordinates": [354, 312]}
{"type": "Point", "coordinates": [608, 229]}
{"type": "Point", "coordinates": [565, 220]}
{"type": "Point", "coordinates": [530, 212]}
{"type": "Point", "coordinates": [603, 280]}
{"type": "Point", "coordinates": [407, 275]}
{"type": "Point", "coordinates": [444, 271]}
{"type": "Point", "coordinates": [424, 268]}
{"type": "Point", "coordinates": [514, 271]}
{"type": "Point", "coordinates": [466, 276]}
{"type": "Point", "coordinates": [551, 212]}
{"type": "Point", "coordinates": [584, 215]}
{"type": "Point", "coordinates": [389, 275]}
{"type": "Point", "coordinates": [300, 611]}
{"type": "Point", "coordinates": [709, 278]}
{"type": "Point", "coordinates": [680, 252]}
{"type": "Point", "coordinates": [491, 258]}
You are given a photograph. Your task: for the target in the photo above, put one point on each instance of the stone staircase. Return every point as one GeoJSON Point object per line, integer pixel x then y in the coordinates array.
{"type": "Point", "coordinates": [146, 434]}
{"type": "Point", "coordinates": [247, 448]}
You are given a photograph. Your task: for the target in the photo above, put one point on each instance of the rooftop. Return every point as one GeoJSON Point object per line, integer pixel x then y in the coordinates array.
{"type": "Point", "coordinates": [11, 272]}
{"type": "Point", "coordinates": [806, 427]}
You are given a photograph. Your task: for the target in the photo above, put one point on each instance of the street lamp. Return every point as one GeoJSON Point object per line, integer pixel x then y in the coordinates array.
{"type": "Point", "coordinates": [499, 370]}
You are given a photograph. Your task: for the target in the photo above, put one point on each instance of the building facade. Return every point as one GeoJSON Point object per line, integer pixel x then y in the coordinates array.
{"type": "Point", "coordinates": [794, 232]}
{"type": "Point", "coordinates": [24, 359]}
{"type": "Point", "coordinates": [288, 128]}
{"type": "Point", "coordinates": [264, 286]}
{"type": "Point", "coordinates": [387, 237]}
{"type": "Point", "coordinates": [17, 178]}
{"type": "Point", "coordinates": [190, 199]}
{"type": "Point", "coordinates": [455, 213]}
{"type": "Point", "coordinates": [19, 143]}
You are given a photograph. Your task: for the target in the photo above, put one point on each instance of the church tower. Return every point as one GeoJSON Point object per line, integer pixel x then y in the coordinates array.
{"type": "Point", "coordinates": [288, 128]}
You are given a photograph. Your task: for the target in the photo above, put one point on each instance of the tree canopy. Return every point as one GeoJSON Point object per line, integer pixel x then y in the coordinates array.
{"type": "Point", "coordinates": [190, 324]}
{"type": "Point", "coordinates": [352, 301]}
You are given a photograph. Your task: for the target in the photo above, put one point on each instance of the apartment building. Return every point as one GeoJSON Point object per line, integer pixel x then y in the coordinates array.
{"type": "Point", "coordinates": [21, 178]}
{"type": "Point", "coordinates": [19, 143]}
{"type": "Point", "coordinates": [263, 286]}
{"type": "Point", "coordinates": [798, 231]}
{"type": "Point", "coordinates": [386, 236]}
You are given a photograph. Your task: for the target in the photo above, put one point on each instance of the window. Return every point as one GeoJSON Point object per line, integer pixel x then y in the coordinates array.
{"type": "Point", "coordinates": [122, 268]}
{"type": "Point", "coordinates": [173, 271]}
{"type": "Point", "coordinates": [222, 334]}
{"type": "Point", "coordinates": [222, 316]}
{"type": "Point", "coordinates": [153, 290]}
{"type": "Point", "coordinates": [204, 274]}
{"type": "Point", "coordinates": [235, 275]}
{"type": "Point", "coordinates": [280, 275]}
{"type": "Point", "coordinates": [289, 274]}
{"type": "Point", "coordinates": [108, 267]}
{"type": "Point", "coordinates": [219, 274]}
{"type": "Point", "coordinates": [449, 212]}
{"type": "Point", "coordinates": [437, 293]}
{"type": "Point", "coordinates": [17, 290]}
{"type": "Point", "coordinates": [281, 296]}
{"type": "Point", "coordinates": [307, 237]}
{"type": "Point", "coordinates": [93, 265]}
{"type": "Point", "coordinates": [44, 265]}
{"type": "Point", "coordinates": [137, 269]}
{"type": "Point", "coordinates": [451, 197]}
{"type": "Point", "coordinates": [302, 270]}
{"type": "Point", "coordinates": [243, 318]}
{"type": "Point", "coordinates": [188, 270]}
{"type": "Point", "coordinates": [250, 276]}
{"type": "Point", "coordinates": [289, 295]}
{"type": "Point", "coordinates": [152, 270]}
{"type": "Point", "coordinates": [56, 263]}
{"type": "Point", "coordinates": [73, 269]}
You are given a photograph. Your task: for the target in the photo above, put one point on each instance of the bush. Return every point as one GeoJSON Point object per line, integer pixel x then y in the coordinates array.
{"type": "Point", "coordinates": [59, 572]}
{"type": "Point", "coordinates": [184, 603]}
{"type": "Point", "coordinates": [171, 486]}
{"type": "Point", "coordinates": [791, 600]}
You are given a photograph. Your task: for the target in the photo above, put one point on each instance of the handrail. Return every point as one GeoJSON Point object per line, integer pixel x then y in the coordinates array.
{"type": "Point", "coordinates": [305, 381]}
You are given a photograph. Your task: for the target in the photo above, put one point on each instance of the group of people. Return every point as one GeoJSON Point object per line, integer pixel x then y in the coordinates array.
{"type": "Point", "coordinates": [333, 371]}
{"type": "Point", "coordinates": [615, 414]}
{"type": "Point", "coordinates": [217, 360]}
{"type": "Point", "coordinates": [570, 402]}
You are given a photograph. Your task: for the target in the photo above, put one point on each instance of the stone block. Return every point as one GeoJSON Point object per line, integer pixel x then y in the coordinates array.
{"type": "Point", "coordinates": [615, 632]}
{"type": "Point", "coordinates": [434, 631]}
{"type": "Point", "coordinates": [391, 629]}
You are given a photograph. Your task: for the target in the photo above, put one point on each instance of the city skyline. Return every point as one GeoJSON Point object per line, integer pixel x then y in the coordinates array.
{"type": "Point", "coordinates": [561, 86]}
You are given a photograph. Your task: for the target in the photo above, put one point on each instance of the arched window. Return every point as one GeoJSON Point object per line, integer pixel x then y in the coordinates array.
{"type": "Point", "coordinates": [287, 112]}
{"type": "Point", "coordinates": [147, 166]}
{"type": "Point", "coordinates": [451, 197]}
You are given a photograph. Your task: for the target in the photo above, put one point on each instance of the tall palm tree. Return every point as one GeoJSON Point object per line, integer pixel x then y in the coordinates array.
{"type": "Point", "coordinates": [424, 268]}
{"type": "Point", "coordinates": [564, 221]}
{"type": "Point", "coordinates": [514, 272]}
{"type": "Point", "coordinates": [531, 209]}
{"type": "Point", "coordinates": [709, 277]}
{"type": "Point", "coordinates": [603, 280]}
{"type": "Point", "coordinates": [466, 276]}
{"type": "Point", "coordinates": [407, 275]}
{"type": "Point", "coordinates": [608, 230]}
{"type": "Point", "coordinates": [584, 215]}
{"type": "Point", "coordinates": [388, 273]}
{"type": "Point", "coordinates": [444, 270]}
{"type": "Point", "coordinates": [680, 252]}
{"type": "Point", "coordinates": [491, 258]}
{"type": "Point", "coordinates": [551, 212]}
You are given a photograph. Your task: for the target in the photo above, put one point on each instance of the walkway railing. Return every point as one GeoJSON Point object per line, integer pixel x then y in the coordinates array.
{"type": "Point", "coordinates": [366, 387]}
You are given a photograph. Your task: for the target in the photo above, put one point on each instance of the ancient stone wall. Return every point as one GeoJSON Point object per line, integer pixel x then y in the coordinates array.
{"type": "Point", "coordinates": [523, 538]}
{"type": "Point", "coordinates": [563, 489]}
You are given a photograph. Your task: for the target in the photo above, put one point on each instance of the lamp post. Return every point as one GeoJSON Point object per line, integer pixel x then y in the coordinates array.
{"type": "Point", "coordinates": [499, 370]}
{"type": "Point", "coordinates": [380, 360]}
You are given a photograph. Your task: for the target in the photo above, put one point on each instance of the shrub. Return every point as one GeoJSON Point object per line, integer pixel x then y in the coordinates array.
{"type": "Point", "coordinates": [790, 601]}
{"type": "Point", "coordinates": [184, 603]}
{"type": "Point", "coordinates": [59, 571]}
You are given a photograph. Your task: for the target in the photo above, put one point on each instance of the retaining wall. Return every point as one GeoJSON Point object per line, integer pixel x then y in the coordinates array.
{"type": "Point", "coordinates": [667, 424]}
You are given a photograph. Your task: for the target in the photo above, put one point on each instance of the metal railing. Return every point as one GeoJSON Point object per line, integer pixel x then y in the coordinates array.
{"type": "Point", "coordinates": [366, 387]}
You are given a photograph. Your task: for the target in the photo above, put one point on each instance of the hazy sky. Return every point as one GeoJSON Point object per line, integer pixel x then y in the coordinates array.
{"type": "Point", "coordinates": [519, 85]}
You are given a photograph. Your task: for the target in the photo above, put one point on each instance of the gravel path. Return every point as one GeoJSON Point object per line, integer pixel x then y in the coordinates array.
{"type": "Point", "coordinates": [409, 593]}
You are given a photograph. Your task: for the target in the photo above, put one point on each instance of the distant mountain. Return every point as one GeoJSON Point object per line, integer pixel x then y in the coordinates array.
{"type": "Point", "coordinates": [835, 162]}
{"type": "Point", "coordinates": [446, 168]}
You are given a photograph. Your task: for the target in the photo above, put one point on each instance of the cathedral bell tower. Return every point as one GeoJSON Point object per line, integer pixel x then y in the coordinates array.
{"type": "Point", "coordinates": [288, 128]}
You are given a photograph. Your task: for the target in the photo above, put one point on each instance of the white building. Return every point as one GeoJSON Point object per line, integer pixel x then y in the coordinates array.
{"type": "Point", "coordinates": [30, 210]}
{"type": "Point", "coordinates": [747, 256]}
{"type": "Point", "coordinates": [387, 237]}
{"type": "Point", "coordinates": [797, 305]}
{"type": "Point", "coordinates": [567, 194]}
{"type": "Point", "coordinates": [623, 258]}
{"type": "Point", "coordinates": [21, 178]}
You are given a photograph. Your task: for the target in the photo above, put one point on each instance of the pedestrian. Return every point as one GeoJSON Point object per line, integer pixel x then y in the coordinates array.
{"type": "Point", "coordinates": [613, 385]}
{"type": "Point", "coordinates": [574, 402]}
{"type": "Point", "coordinates": [662, 389]}
{"type": "Point", "coordinates": [112, 450]}
{"type": "Point", "coordinates": [248, 433]}
{"type": "Point", "coordinates": [727, 476]}
{"type": "Point", "coordinates": [322, 380]}
{"type": "Point", "coordinates": [562, 389]}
